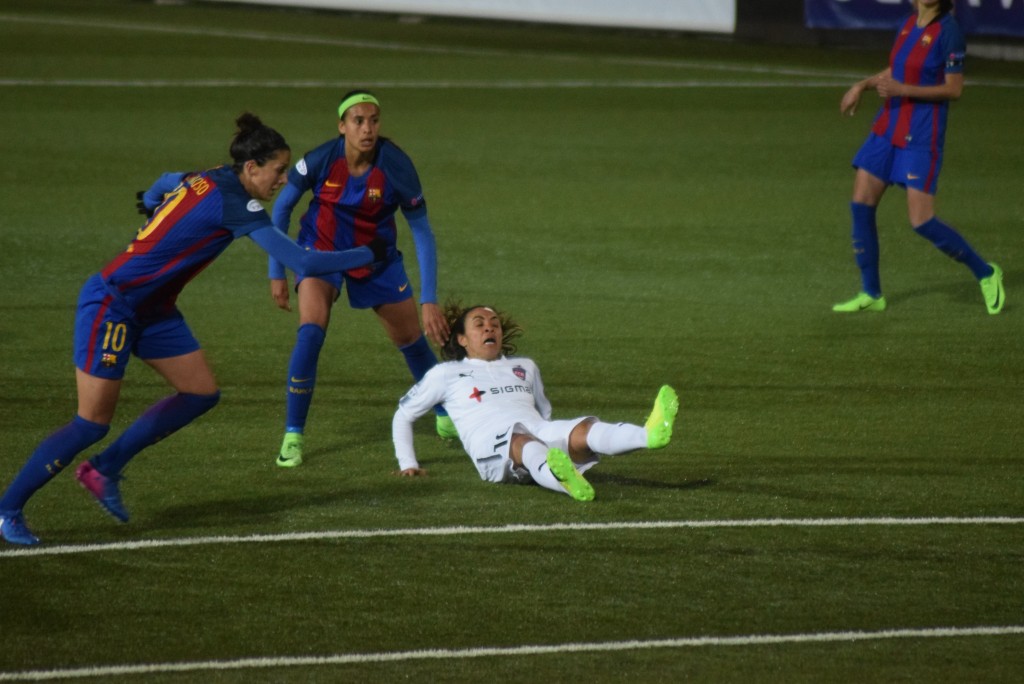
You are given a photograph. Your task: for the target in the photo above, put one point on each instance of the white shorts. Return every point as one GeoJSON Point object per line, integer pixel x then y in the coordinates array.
{"type": "Point", "coordinates": [490, 449]}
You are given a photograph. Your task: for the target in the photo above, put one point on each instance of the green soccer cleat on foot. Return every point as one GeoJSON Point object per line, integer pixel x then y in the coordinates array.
{"type": "Point", "coordinates": [291, 450]}
{"type": "Point", "coordinates": [663, 415]}
{"type": "Point", "coordinates": [446, 428]}
{"type": "Point", "coordinates": [992, 290]}
{"type": "Point", "coordinates": [565, 472]}
{"type": "Point", "coordinates": [862, 302]}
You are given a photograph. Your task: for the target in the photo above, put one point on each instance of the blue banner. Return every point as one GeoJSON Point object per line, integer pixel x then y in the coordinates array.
{"type": "Point", "coordinates": [988, 17]}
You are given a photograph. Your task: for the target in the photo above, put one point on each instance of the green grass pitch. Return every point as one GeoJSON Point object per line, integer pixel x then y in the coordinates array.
{"type": "Point", "coordinates": [652, 209]}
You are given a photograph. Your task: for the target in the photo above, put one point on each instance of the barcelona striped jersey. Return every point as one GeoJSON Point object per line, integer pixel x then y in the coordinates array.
{"type": "Point", "coordinates": [923, 57]}
{"type": "Point", "coordinates": [347, 211]}
{"type": "Point", "coordinates": [197, 220]}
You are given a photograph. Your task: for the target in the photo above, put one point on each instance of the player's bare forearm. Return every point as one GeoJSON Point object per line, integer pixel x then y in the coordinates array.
{"type": "Point", "coordinates": [950, 89]}
{"type": "Point", "coordinates": [279, 293]}
{"type": "Point", "coordinates": [434, 323]}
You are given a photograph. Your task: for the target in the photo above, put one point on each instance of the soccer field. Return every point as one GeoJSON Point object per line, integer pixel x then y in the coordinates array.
{"type": "Point", "coordinates": [843, 499]}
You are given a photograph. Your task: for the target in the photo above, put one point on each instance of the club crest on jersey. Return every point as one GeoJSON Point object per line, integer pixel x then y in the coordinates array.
{"type": "Point", "coordinates": [108, 360]}
{"type": "Point", "coordinates": [374, 194]}
{"type": "Point", "coordinates": [926, 40]}
{"type": "Point", "coordinates": [519, 372]}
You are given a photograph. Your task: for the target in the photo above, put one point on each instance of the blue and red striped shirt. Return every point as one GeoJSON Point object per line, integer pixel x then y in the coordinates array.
{"type": "Point", "coordinates": [347, 211]}
{"type": "Point", "coordinates": [197, 221]}
{"type": "Point", "coordinates": [921, 56]}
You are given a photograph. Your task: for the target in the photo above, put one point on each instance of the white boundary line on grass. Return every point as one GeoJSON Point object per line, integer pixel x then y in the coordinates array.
{"type": "Point", "coordinates": [394, 46]}
{"type": "Point", "coordinates": [456, 531]}
{"type": "Point", "coordinates": [489, 652]}
{"type": "Point", "coordinates": [573, 84]}
{"type": "Point", "coordinates": [843, 79]}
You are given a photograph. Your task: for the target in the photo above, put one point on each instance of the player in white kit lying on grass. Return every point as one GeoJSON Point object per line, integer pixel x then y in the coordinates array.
{"type": "Point", "coordinates": [498, 405]}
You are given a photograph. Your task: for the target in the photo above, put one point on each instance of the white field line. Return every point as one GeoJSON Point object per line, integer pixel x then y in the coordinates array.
{"type": "Point", "coordinates": [564, 84]}
{"type": "Point", "coordinates": [287, 537]}
{"type": "Point", "coordinates": [106, 671]}
{"type": "Point", "coordinates": [388, 46]}
{"type": "Point", "coordinates": [827, 78]}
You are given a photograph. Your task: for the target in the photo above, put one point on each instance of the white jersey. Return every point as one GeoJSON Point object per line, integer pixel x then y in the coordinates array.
{"type": "Point", "coordinates": [481, 397]}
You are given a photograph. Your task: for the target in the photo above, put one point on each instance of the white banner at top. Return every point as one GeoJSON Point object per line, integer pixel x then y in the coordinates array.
{"type": "Point", "coordinates": [711, 16]}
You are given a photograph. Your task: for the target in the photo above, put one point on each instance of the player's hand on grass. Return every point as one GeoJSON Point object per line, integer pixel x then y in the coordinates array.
{"type": "Point", "coordinates": [411, 472]}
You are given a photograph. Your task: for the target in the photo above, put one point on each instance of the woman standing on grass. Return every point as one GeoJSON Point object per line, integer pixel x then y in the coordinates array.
{"type": "Point", "coordinates": [129, 308]}
{"type": "Point", "coordinates": [358, 181]}
{"type": "Point", "coordinates": [905, 148]}
{"type": "Point", "coordinates": [497, 402]}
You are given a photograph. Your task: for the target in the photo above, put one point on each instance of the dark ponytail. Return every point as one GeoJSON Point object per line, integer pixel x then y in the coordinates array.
{"type": "Point", "coordinates": [254, 141]}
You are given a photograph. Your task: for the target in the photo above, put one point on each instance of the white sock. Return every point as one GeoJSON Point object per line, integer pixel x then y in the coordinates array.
{"type": "Point", "coordinates": [535, 458]}
{"type": "Point", "coordinates": [610, 440]}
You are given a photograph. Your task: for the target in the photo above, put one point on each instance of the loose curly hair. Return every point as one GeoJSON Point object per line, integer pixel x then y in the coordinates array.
{"type": "Point", "coordinates": [455, 313]}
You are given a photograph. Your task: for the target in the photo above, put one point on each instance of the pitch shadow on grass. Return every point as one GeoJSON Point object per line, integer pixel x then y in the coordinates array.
{"type": "Point", "coordinates": [624, 480]}
{"type": "Point", "coordinates": [960, 291]}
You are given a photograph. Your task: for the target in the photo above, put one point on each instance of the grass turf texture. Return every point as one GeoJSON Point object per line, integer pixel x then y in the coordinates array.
{"type": "Point", "coordinates": [690, 235]}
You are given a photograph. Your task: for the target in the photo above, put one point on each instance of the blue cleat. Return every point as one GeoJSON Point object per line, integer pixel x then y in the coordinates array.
{"type": "Point", "coordinates": [14, 529]}
{"type": "Point", "coordinates": [103, 488]}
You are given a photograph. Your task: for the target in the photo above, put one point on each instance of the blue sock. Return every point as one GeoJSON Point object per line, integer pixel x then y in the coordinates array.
{"type": "Point", "coordinates": [954, 246]}
{"type": "Point", "coordinates": [160, 420]}
{"type": "Point", "coordinates": [864, 236]}
{"type": "Point", "coordinates": [54, 454]}
{"type": "Point", "coordinates": [420, 358]}
{"type": "Point", "coordinates": [302, 375]}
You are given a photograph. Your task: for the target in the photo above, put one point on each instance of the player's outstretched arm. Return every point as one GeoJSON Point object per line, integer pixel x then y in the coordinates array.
{"type": "Point", "coordinates": [401, 435]}
{"type": "Point", "coordinates": [281, 215]}
{"type": "Point", "coordinates": [310, 262]}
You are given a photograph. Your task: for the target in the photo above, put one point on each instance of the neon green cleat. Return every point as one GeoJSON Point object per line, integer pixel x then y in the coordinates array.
{"type": "Point", "coordinates": [446, 428]}
{"type": "Point", "coordinates": [992, 289]}
{"type": "Point", "coordinates": [862, 302]}
{"type": "Point", "coordinates": [565, 472]}
{"type": "Point", "coordinates": [291, 450]}
{"type": "Point", "coordinates": [663, 415]}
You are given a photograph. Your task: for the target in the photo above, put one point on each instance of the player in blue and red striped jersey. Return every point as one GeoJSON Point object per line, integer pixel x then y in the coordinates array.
{"type": "Point", "coordinates": [905, 148]}
{"type": "Point", "coordinates": [129, 308]}
{"type": "Point", "coordinates": [359, 181]}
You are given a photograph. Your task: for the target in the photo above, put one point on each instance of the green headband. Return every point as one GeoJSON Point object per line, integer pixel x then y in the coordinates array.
{"type": "Point", "coordinates": [358, 98]}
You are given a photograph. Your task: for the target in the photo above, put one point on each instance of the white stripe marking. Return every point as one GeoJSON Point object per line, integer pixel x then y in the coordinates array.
{"type": "Point", "coordinates": [422, 85]}
{"type": "Point", "coordinates": [495, 529]}
{"type": "Point", "coordinates": [451, 654]}
{"type": "Point", "coordinates": [262, 36]}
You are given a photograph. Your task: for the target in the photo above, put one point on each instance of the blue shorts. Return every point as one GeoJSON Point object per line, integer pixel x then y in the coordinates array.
{"type": "Point", "coordinates": [388, 285]}
{"type": "Point", "coordinates": [106, 334]}
{"type": "Point", "coordinates": [918, 169]}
